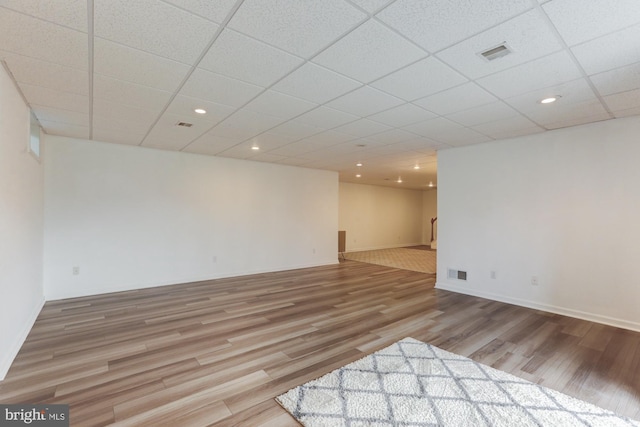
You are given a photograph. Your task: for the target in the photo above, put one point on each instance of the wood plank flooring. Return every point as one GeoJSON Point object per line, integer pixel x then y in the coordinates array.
{"type": "Point", "coordinates": [218, 352]}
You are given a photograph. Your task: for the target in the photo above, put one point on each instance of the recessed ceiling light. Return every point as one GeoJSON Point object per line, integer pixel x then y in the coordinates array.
{"type": "Point", "coordinates": [200, 111]}
{"type": "Point", "coordinates": [550, 99]}
{"type": "Point", "coordinates": [255, 147]}
{"type": "Point", "coordinates": [416, 167]}
{"type": "Point", "coordinates": [399, 181]}
{"type": "Point", "coordinates": [358, 176]}
{"type": "Point", "coordinates": [358, 164]}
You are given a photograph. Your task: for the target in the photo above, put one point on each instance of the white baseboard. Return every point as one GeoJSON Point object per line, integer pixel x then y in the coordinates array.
{"type": "Point", "coordinates": [85, 291]}
{"type": "Point", "coordinates": [592, 317]}
{"type": "Point", "coordinates": [8, 357]}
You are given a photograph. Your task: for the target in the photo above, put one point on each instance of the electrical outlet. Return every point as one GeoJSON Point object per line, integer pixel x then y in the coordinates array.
{"type": "Point", "coordinates": [534, 281]}
{"type": "Point", "coordinates": [493, 274]}
{"type": "Point", "coordinates": [76, 270]}
{"type": "Point", "coordinates": [314, 250]}
{"type": "Point", "coordinates": [214, 259]}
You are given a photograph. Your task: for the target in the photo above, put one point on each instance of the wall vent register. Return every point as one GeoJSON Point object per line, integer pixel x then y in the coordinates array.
{"type": "Point", "coordinates": [456, 274]}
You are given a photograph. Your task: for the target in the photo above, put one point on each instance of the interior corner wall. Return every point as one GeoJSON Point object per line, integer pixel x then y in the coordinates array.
{"type": "Point", "coordinates": [376, 217]}
{"type": "Point", "coordinates": [21, 225]}
{"type": "Point", "coordinates": [129, 217]}
{"type": "Point", "coordinates": [561, 207]}
{"type": "Point", "coordinates": [429, 210]}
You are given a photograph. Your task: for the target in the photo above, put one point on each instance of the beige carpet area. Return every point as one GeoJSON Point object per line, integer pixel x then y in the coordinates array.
{"type": "Point", "coordinates": [420, 260]}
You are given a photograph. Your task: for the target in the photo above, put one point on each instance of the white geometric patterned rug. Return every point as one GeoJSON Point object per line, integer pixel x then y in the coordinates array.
{"type": "Point", "coordinates": [414, 384]}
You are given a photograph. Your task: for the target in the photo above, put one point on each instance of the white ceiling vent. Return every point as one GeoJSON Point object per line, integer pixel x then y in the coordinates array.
{"type": "Point", "coordinates": [496, 52]}
{"type": "Point", "coordinates": [184, 124]}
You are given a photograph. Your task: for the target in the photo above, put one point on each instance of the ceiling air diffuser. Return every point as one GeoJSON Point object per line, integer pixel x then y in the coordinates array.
{"type": "Point", "coordinates": [496, 52]}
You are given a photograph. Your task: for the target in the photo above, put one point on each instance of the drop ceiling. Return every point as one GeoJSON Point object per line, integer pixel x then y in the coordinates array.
{"type": "Point", "coordinates": [322, 84]}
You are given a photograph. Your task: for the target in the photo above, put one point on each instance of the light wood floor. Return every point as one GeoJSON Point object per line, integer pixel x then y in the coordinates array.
{"type": "Point", "coordinates": [218, 352]}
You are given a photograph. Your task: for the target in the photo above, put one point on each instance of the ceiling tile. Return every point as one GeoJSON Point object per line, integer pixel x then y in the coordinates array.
{"type": "Point", "coordinates": [573, 92]}
{"type": "Point", "coordinates": [211, 144]}
{"type": "Point", "coordinates": [609, 52]}
{"type": "Point", "coordinates": [70, 13]}
{"type": "Point", "coordinates": [361, 128]}
{"type": "Point", "coordinates": [369, 52]}
{"type": "Point", "coordinates": [391, 136]}
{"type": "Point", "coordinates": [117, 136]}
{"type": "Point", "coordinates": [184, 107]}
{"type": "Point", "coordinates": [528, 37]}
{"type": "Point", "coordinates": [564, 112]}
{"type": "Point", "coordinates": [440, 23]}
{"type": "Point", "coordinates": [152, 26]}
{"type": "Point", "coordinates": [514, 126]}
{"type": "Point", "coordinates": [461, 136]}
{"type": "Point", "coordinates": [268, 141]}
{"type": "Point", "coordinates": [46, 74]}
{"type": "Point", "coordinates": [371, 6]}
{"type": "Point", "coordinates": [298, 148]}
{"type": "Point", "coordinates": [239, 151]}
{"type": "Point", "coordinates": [219, 89]}
{"type": "Point", "coordinates": [578, 121]}
{"type": "Point", "coordinates": [279, 105]}
{"type": "Point", "coordinates": [418, 80]}
{"type": "Point", "coordinates": [623, 100]}
{"type": "Point", "coordinates": [57, 115]}
{"type": "Point", "coordinates": [618, 80]}
{"type": "Point", "coordinates": [166, 134]}
{"type": "Point", "coordinates": [65, 129]}
{"type": "Point", "coordinates": [245, 124]}
{"type": "Point", "coordinates": [415, 144]}
{"type": "Point", "coordinates": [364, 102]}
{"type": "Point", "coordinates": [315, 84]}
{"type": "Point", "coordinates": [132, 65]}
{"type": "Point", "coordinates": [544, 72]}
{"type": "Point", "coordinates": [483, 114]}
{"type": "Point", "coordinates": [54, 98]}
{"type": "Point", "coordinates": [43, 40]}
{"type": "Point", "coordinates": [329, 137]}
{"type": "Point", "coordinates": [294, 131]}
{"type": "Point", "coordinates": [627, 113]}
{"type": "Point", "coordinates": [402, 115]}
{"type": "Point", "coordinates": [297, 26]}
{"type": "Point", "coordinates": [325, 117]}
{"type": "Point", "coordinates": [137, 128]}
{"type": "Point", "coordinates": [215, 11]}
{"type": "Point", "coordinates": [243, 58]}
{"type": "Point", "coordinates": [445, 131]}
{"type": "Point", "coordinates": [126, 112]}
{"type": "Point", "coordinates": [131, 94]}
{"type": "Point", "coordinates": [578, 21]}
{"type": "Point", "coordinates": [459, 98]}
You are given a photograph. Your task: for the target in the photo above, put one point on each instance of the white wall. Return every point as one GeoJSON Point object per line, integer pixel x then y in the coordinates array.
{"type": "Point", "coordinates": [376, 217]}
{"type": "Point", "coordinates": [131, 217]}
{"type": "Point", "coordinates": [21, 219]}
{"type": "Point", "coordinates": [563, 206]}
{"type": "Point", "coordinates": [429, 210]}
